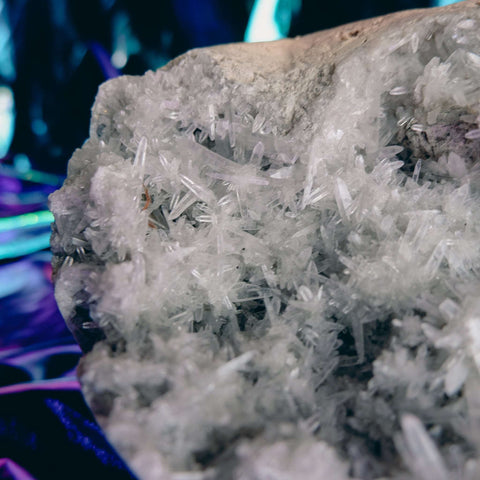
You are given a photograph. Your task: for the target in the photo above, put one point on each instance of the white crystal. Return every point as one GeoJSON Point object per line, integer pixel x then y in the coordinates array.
{"type": "Point", "coordinates": [422, 452]}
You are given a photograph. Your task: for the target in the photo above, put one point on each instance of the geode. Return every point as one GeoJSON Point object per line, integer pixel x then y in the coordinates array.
{"type": "Point", "coordinates": [270, 256]}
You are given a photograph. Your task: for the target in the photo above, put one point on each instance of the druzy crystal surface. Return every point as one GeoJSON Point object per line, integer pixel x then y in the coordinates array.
{"type": "Point", "coordinates": [270, 255]}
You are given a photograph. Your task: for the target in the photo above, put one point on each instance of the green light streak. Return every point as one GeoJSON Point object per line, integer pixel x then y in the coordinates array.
{"type": "Point", "coordinates": [18, 248]}
{"type": "Point", "coordinates": [262, 25]}
{"type": "Point", "coordinates": [32, 176]}
{"type": "Point", "coordinates": [444, 3]}
{"type": "Point", "coordinates": [27, 220]}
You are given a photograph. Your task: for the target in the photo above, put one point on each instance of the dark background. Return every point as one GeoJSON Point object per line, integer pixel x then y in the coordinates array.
{"type": "Point", "coordinates": [53, 56]}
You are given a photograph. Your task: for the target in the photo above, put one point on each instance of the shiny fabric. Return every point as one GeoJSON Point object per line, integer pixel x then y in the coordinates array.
{"type": "Point", "coordinates": [46, 429]}
{"type": "Point", "coordinates": [51, 434]}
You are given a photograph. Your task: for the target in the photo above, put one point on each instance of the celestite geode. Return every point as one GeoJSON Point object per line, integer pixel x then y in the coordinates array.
{"type": "Point", "coordinates": [270, 255]}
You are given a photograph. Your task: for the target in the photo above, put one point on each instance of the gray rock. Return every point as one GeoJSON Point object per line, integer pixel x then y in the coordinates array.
{"type": "Point", "coordinates": [269, 255]}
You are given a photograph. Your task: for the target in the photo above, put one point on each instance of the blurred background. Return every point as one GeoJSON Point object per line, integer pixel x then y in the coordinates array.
{"type": "Point", "coordinates": [53, 56]}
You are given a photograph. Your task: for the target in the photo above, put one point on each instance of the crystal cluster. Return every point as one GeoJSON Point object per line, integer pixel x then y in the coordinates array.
{"type": "Point", "coordinates": [273, 259]}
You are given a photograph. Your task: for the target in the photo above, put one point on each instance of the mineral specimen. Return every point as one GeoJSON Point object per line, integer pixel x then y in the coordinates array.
{"type": "Point", "coordinates": [271, 255]}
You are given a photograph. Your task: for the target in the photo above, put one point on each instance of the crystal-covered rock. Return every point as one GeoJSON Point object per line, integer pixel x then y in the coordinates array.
{"type": "Point", "coordinates": [270, 255]}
